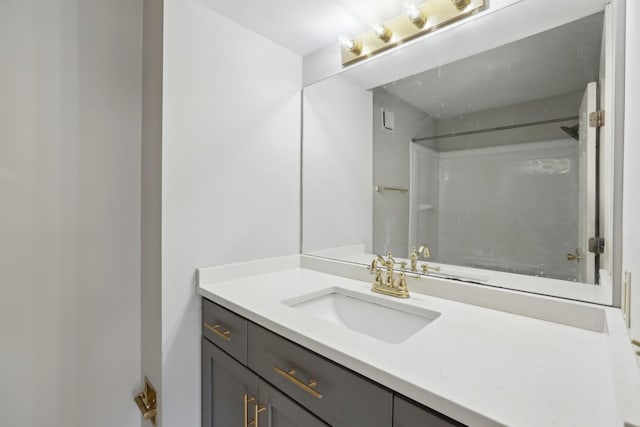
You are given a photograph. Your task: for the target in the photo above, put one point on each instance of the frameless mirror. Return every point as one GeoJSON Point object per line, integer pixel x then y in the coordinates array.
{"type": "Point", "coordinates": [495, 162]}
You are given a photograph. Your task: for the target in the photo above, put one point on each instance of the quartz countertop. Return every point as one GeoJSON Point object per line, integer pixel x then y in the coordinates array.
{"type": "Point", "coordinates": [480, 366]}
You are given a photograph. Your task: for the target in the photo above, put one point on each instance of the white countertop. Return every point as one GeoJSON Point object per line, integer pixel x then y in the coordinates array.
{"type": "Point", "coordinates": [478, 365]}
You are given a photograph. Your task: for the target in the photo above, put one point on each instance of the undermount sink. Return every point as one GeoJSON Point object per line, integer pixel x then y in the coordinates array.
{"type": "Point", "coordinates": [377, 317]}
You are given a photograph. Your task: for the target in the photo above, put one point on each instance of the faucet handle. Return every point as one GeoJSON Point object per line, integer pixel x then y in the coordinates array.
{"type": "Point", "coordinates": [390, 260]}
{"type": "Point", "coordinates": [426, 267]}
{"type": "Point", "coordinates": [401, 288]}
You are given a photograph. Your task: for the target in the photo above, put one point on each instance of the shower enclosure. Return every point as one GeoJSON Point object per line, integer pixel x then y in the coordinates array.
{"type": "Point", "coordinates": [508, 198]}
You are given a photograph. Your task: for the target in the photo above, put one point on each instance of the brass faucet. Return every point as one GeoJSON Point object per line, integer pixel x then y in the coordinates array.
{"type": "Point", "coordinates": [396, 287]}
{"type": "Point", "coordinates": [424, 252]}
{"type": "Point", "coordinates": [414, 255]}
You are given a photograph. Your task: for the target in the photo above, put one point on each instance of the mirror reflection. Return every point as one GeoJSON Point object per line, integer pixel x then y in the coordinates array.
{"type": "Point", "coordinates": [479, 169]}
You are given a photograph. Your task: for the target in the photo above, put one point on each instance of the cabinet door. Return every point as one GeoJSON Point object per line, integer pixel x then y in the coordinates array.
{"type": "Point", "coordinates": [282, 411]}
{"type": "Point", "coordinates": [408, 414]}
{"type": "Point", "coordinates": [225, 384]}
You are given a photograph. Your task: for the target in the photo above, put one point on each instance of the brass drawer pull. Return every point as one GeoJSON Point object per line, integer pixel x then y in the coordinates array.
{"type": "Point", "coordinates": [216, 330]}
{"type": "Point", "coordinates": [258, 408]}
{"type": "Point", "coordinates": [247, 399]}
{"type": "Point", "coordinates": [290, 376]}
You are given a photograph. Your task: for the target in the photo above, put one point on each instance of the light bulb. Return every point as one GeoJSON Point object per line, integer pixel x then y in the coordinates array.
{"type": "Point", "coordinates": [350, 45]}
{"type": "Point", "coordinates": [461, 4]}
{"type": "Point", "coordinates": [381, 31]}
{"type": "Point", "coordinates": [414, 14]}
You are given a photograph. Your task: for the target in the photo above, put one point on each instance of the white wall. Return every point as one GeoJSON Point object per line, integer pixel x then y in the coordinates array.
{"type": "Point", "coordinates": [631, 198]}
{"type": "Point", "coordinates": [337, 165]}
{"type": "Point", "coordinates": [555, 107]}
{"type": "Point", "coordinates": [70, 212]}
{"type": "Point", "coordinates": [391, 153]}
{"type": "Point", "coordinates": [230, 173]}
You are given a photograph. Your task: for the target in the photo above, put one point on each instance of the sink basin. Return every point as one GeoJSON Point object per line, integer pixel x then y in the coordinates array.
{"type": "Point", "coordinates": [377, 317]}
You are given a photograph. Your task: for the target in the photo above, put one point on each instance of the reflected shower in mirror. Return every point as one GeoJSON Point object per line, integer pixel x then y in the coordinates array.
{"type": "Point", "coordinates": [490, 161]}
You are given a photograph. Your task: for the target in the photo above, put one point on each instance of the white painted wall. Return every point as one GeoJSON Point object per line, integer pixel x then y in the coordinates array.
{"type": "Point", "coordinates": [391, 153]}
{"type": "Point", "coordinates": [230, 173]}
{"type": "Point", "coordinates": [337, 165]}
{"type": "Point", "coordinates": [555, 107]}
{"type": "Point", "coordinates": [70, 88]}
{"type": "Point", "coordinates": [631, 198]}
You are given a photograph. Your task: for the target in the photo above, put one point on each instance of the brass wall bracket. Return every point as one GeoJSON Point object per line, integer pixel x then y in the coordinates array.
{"type": "Point", "coordinates": [147, 402]}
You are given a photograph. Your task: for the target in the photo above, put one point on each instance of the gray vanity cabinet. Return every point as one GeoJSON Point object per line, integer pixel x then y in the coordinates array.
{"type": "Point", "coordinates": [284, 412]}
{"type": "Point", "coordinates": [333, 393]}
{"type": "Point", "coordinates": [225, 329]}
{"type": "Point", "coordinates": [225, 382]}
{"type": "Point", "coordinates": [407, 414]}
{"type": "Point", "coordinates": [229, 389]}
{"type": "Point", "coordinates": [246, 368]}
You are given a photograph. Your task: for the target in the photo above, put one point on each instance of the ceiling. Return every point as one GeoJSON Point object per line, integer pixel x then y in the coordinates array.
{"type": "Point", "coordinates": [559, 61]}
{"type": "Point", "coordinates": [304, 26]}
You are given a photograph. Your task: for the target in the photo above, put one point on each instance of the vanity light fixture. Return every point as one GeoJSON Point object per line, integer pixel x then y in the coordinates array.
{"type": "Point", "coordinates": [350, 45]}
{"type": "Point", "coordinates": [414, 14]}
{"type": "Point", "coordinates": [382, 32]}
{"type": "Point", "coordinates": [416, 19]}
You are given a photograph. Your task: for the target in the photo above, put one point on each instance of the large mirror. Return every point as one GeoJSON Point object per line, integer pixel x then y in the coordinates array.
{"type": "Point", "coordinates": [494, 162]}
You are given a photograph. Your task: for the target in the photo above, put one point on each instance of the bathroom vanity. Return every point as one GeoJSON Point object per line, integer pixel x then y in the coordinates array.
{"type": "Point", "coordinates": [279, 344]}
{"type": "Point", "coordinates": [488, 159]}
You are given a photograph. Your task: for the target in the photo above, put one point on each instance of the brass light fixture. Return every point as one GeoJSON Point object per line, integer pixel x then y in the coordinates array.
{"type": "Point", "coordinates": [350, 45]}
{"type": "Point", "coordinates": [417, 19]}
{"type": "Point", "coordinates": [382, 32]}
{"type": "Point", "coordinates": [415, 15]}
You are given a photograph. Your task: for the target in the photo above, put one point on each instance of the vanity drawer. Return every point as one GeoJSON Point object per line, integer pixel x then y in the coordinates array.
{"type": "Point", "coordinates": [225, 329]}
{"type": "Point", "coordinates": [339, 397]}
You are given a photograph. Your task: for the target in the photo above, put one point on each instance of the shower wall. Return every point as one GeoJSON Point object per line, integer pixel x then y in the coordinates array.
{"type": "Point", "coordinates": [424, 197]}
{"type": "Point", "coordinates": [555, 107]}
{"type": "Point", "coordinates": [504, 200]}
{"type": "Point", "coordinates": [510, 208]}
